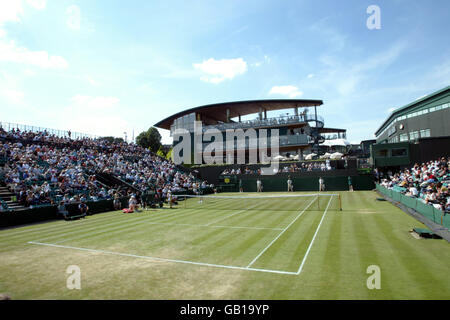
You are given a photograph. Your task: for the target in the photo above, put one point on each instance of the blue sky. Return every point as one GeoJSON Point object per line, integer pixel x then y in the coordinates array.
{"type": "Point", "coordinates": [108, 67]}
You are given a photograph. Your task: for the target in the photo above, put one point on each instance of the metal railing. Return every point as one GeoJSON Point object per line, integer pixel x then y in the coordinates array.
{"type": "Point", "coordinates": [10, 127]}
{"type": "Point", "coordinates": [335, 136]}
{"type": "Point", "coordinates": [269, 122]}
{"type": "Point", "coordinates": [285, 140]}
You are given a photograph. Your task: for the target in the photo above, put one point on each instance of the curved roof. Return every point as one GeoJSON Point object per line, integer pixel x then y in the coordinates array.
{"type": "Point", "coordinates": [218, 111]}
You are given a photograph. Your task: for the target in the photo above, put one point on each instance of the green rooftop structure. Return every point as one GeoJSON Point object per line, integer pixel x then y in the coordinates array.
{"type": "Point", "coordinates": [416, 132]}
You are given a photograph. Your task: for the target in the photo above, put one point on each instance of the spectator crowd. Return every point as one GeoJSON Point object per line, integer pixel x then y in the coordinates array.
{"type": "Point", "coordinates": [428, 182]}
{"type": "Point", "coordinates": [40, 168]}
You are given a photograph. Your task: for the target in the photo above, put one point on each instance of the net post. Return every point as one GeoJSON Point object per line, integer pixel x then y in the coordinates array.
{"type": "Point", "coordinates": [340, 202]}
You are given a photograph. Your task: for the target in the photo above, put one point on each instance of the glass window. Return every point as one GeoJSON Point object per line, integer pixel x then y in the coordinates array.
{"type": "Point", "coordinates": [414, 135]}
{"type": "Point", "coordinates": [425, 111]}
{"type": "Point", "coordinates": [425, 133]}
{"type": "Point", "coordinates": [401, 152]}
{"type": "Point", "coordinates": [438, 108]}
{"type": "Point", "coordinates": [432, 109]}
{"type": "Point", "coordinates": [404, 137]}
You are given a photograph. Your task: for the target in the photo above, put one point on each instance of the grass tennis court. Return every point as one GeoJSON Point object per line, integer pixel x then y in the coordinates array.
{"type": "Point", "coordinates": [299, 248]}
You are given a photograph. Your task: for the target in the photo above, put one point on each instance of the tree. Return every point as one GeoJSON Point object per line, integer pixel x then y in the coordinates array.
{"type": "Point", "coordinates": [161, 152]}
{"type": "Point", "coordinates": [169, 154]}
{"type": "Point", "coordinates": [149, 139]}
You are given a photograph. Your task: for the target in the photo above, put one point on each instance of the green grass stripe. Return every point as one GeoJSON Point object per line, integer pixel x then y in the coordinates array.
{"type": "Point", "coordinates": [124, 224]}
{"type": "Point", "coordinates": [292, 245]}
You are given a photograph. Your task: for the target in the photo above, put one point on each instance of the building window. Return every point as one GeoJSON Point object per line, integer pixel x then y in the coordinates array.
{"type": "Point", "coordinates": [425, 133]}
{"type": "Point", "coordinates": [403, 152]}
{"type": "Point", "coordinates": [393, 139]}
{"type": "Point", "coordinates": [404, 137]}
{"type": "Point", "coordinates": [414, 135]}
{"type": "Point", "coordinates": [391, 131]}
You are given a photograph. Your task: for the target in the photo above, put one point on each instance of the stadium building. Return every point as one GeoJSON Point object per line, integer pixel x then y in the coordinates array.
{"type": "Point", "coordinates": [301, 133]}
{"type": "Point", "coordinates": [416, 132]}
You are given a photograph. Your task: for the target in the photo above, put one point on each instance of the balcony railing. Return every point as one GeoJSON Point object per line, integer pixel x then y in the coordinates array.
{"type": "Point", "coordinates": [287, 140]}
{"type": "Point", "coordinates": [335, 136]}
{"type": "Point", "coordinates": [270, 122]}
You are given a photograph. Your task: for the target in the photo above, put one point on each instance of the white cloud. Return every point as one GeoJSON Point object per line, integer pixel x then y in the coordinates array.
{"type": "Point", "coordinates": [10, 52]}
{"type": "Point", "coordinates": [12, 96]}
{"type": "Point", "coordinates": [73, 13]}
{"type": "Point", "coordinates": [290, 91]}
{"type": "Point", "coordinates": [311, 75]}
{"type": "Point", "coordinates": [37, 4]}
{"type": "Point", "coordinates": [216, 71]}
{"type": "Point", "coordinates": [29, 73]}
{"type": "Point", "coordinates": [10, 10]}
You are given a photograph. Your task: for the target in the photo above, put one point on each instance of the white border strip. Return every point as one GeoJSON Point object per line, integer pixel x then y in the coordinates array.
{"type": "Point", "coordinates": [279, 235]}
{"type": "Point", "coordinates": [162, 259]}
{"type": "Point", "coordinates": [312, 241]}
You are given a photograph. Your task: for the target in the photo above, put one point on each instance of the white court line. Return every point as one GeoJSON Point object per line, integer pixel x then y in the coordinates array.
{"type": "Point", "coordinates": [314, 237]}
{"type": "Point", "coordinates": [120, 223]}
{"type": "Point", "coordinates": [223, 218]}
{"type": "Point", "coordinates": [182, 224]}
{"type": "Point", "coordinates": [163, 259]}
{"type": "Point", "coordinates": [116, 223]}
{"type": "Point", "coordinates": [68, 226]}
{"type": "Point", "coordinates": [284, 230]}
{"type": "Point", "coordinates": [165, 223]}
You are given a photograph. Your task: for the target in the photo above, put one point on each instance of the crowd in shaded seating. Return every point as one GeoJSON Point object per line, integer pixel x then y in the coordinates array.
{"type": "Point", "coordinates": [40, 168]}
{"type": "Point", "coordinates": [428, 182]}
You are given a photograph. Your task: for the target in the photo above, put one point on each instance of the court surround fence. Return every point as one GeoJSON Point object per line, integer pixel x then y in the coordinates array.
{"type": "Point", "coordinates": [428, 211]}
{"type": "Point", "coordinates": [9, 127]}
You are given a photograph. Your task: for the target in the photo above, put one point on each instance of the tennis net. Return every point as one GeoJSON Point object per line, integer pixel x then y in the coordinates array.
{"type": "Point", "coordinates": [312, 202]}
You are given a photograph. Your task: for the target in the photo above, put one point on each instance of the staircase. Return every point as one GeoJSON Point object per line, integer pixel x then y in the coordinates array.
{"type": "Point", "coordinates": [111, 181]}
{"type": "Point", "coordinates": [6, 196]}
